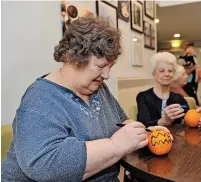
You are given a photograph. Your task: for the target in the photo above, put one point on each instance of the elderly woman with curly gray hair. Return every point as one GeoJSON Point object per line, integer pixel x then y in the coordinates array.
{"type": "Point", "coordinates": [65, 127]}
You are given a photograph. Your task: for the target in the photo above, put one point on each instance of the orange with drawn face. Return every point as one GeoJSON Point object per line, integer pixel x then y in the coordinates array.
{"type": "Point", "coordinates": [160, 142]}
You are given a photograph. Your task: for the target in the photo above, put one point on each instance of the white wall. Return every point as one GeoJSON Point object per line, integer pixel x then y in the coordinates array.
{"type": "Point", "coordinates": [123, 67]}
{"type": "Point", "coordinates": [29, 34]}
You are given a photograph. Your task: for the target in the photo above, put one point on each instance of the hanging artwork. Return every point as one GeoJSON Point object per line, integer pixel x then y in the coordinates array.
{"type": "Point", "coordinates": [153, 44]}
{"type": "Point", "coordinates": [108, 11]}
{"type": "Point", "coordinates": [64, 16]}
{"type": "Point", "coordinates": [123, 10]}
{"type": "Point", "coordinates": [149, 9]}
{"type": "Point", "coordinates": [112, 2]}
{"type": "Point", "coordinates": [147, 35]}
{"type": "Point", "coordinates": [136, 16]}
{"type": "Point", "coordinates": [69, 13]}
{"type": "Point", "coordinates": [137, 51]}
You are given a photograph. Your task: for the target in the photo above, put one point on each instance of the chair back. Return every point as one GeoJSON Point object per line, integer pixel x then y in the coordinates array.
{"type": "Point", "coordinates": [133, 112]}
{"type": "Point", "coordinates": [191, 102]}
{"type": "Point", "coordinates": [6, 138]}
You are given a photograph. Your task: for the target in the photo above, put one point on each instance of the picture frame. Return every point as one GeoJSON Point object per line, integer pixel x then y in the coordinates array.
{"type": "Point", "coordinates": [137, 51]}
{"type": "Point", "coordinates": [124, 10]}
{"type": "Point", "coordinates": [147, 41]}
{"type": "Point", "coordinates": [153, 42]}
{"type": "Point", "coordinates": [64, 16]}
{"type": "Point", "coordinates": [141, 1]}
{"type": "Point", "coordinates": [147, 30]}
{"type": "Point", "coordinates": [136, 14]}
{"type": "Point", "coordinates": [149, 7]}
{"type": "Point", "coordinates": [147, 35]}
{"type": "Point", "coordinates": [112, 2]}
{"type": "Point", "coordinates": [107, 11]}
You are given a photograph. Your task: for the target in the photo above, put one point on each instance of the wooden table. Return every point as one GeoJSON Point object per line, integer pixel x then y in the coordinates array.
{"type": "Point", "coordinates": [182, 164]}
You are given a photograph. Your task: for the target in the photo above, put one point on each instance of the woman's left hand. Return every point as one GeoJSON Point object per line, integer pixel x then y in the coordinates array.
{"type": "Point", "coordinates": [160, 128]}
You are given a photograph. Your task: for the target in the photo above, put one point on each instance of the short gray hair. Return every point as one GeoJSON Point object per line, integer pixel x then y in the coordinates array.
{"type": "Point", "coordinates": [179, 71]}
{"type": "Point", "coordinates": [165, 57]}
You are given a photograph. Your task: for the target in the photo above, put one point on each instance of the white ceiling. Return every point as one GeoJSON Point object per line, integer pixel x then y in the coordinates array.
{"type": "Point", "coordinates": [184, 19]}
{"type": "Point", "coordinates": [163, 3]}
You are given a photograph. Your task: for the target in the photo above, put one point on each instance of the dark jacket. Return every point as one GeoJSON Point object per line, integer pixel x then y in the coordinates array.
{"type": "Point", "coordinates": [149, 106]}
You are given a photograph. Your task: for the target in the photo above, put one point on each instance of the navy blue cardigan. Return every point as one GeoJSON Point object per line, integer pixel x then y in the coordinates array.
{"type": "Point", "coordinates": [149, 106]}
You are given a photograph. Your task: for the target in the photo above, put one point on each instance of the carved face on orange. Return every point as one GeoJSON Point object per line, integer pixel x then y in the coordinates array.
{"type": "Point", "coordinates": [160, 142]}
{"type": "Point", "coordinates": [192, 118]}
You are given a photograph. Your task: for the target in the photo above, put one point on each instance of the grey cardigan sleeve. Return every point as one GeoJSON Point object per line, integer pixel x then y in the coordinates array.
{"type": "Point", "coordinates": [44, 148]}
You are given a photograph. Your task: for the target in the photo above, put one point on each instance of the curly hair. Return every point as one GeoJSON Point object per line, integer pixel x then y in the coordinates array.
{"type": "Point", "coordinates": [85, 37]}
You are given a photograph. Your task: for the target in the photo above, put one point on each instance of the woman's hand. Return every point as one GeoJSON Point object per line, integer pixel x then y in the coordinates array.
{"type": "Point", "coordinates": [129, 138]}
{"type": "Point", "coordinates": [199, 110]}
{"type": "Point", "coordinates": [160, 128]}
{"type": "Point", "coordinates": [172, 112]}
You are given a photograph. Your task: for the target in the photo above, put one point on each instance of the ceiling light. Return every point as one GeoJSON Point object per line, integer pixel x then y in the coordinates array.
{"type": "Point", "coordinates": [176, 43]}
{"type": "Point", "coordinates": [177, 35]}
{"type": "Point", "coordinates": [156, 20]}
{"type": "Point", "coordinates": [134, 39]}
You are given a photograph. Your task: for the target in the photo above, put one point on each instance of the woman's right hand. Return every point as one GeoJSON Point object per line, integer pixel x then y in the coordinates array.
{"type": "Point", "coordinates": [129, 138]}
{"type": "Point", "coordinates": [172, 112]}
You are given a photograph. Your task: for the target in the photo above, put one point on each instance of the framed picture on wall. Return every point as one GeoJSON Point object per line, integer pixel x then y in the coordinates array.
{"type": "Point", "coordinates": [136, 14]}
{"type": "Point", "coordinates": [108, 11]}
{"type": "Point", "coordinates": [147, 35]}
{"type": "Point", "coordinates": [150, 8]}
{"type": "Point", "coordinates": [123, 10]}
{"type": "Point", "coordinates": [147, 41]}
{"type": "Point", "coordinates": [147, 30]}
{"type": "Point", "coordinates": [141, 1]}
{"type": "Point", "coordinates": [153, 44]}
{"type": "Point", "coordinates": [137, 51]}
{"type": "Point", "coordinates": [112, 2]}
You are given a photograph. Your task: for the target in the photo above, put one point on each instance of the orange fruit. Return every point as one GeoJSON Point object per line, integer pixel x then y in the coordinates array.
{"type": "Point", "coordinates": [192, 118]}
{"type": "Point", "coordinates": [160, 142]}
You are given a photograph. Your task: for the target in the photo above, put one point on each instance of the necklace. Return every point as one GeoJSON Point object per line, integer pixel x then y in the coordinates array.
{"type": "Point", "coordinates": [67, 86]}
{"type": "Point", "coordinates": [65, 81]}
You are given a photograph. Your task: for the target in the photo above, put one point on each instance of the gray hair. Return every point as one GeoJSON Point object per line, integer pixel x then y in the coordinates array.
{"type": "Point", "coordinates": [85, 37]}
{"type": "Point", "coordinates": [179, 71]}
{"type": "Point", "coordinates": [165, 57]}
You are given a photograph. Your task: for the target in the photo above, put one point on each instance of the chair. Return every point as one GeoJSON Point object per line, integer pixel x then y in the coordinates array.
{"type": "Point", "coordinates": [191, 102]}
{"type": "Point", "coordinates": [6, 138]}
{"type": "Point", "coordinates": [132, 113]}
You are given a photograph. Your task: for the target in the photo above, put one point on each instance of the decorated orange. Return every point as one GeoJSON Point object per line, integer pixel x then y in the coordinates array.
{"type": "Point", "coordinates": [192, 118]}
{"type": "Point", "coordinates": [160, 142]}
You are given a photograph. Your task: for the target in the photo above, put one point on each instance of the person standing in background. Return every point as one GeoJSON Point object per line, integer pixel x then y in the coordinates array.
{"type": "Point", "coordinates": [190, 64]}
